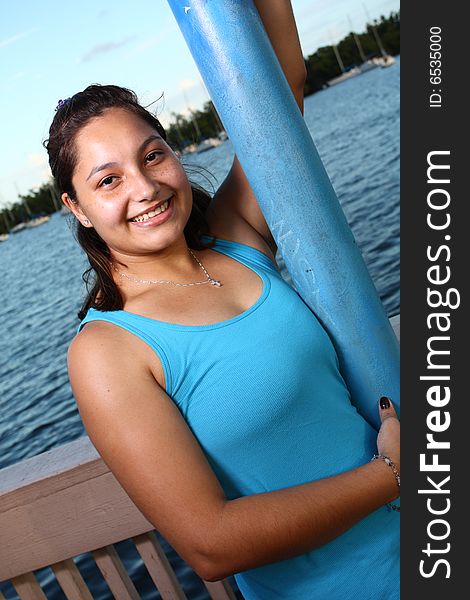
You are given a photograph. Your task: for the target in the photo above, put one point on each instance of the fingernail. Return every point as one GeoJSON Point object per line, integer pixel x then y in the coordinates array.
{"type": "Point", "coordinates": [384, 402]}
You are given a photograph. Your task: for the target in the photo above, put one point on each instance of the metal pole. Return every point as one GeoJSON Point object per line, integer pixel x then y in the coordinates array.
{"type": "Point", "coordinates": [276, 151]}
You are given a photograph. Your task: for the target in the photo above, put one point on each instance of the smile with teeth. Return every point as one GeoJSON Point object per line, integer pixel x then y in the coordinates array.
{"type": "Point", "coordinates": [151, 213]}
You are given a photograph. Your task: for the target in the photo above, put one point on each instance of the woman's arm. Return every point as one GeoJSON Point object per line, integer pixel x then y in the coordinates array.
{"type": "Point", "coordinates": [234, 213]}
{"type": "Point", "coordinates": [146, 443]}
{"type": "Point", "coordinates": [279, 23]}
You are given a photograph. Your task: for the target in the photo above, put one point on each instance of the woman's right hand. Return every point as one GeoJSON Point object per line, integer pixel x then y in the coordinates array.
{"type": "Point", "coordinates": [388, 440]}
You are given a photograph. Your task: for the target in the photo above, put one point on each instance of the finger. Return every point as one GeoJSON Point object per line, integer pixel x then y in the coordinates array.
{"type": "Point", "coordinates": [386, 408]}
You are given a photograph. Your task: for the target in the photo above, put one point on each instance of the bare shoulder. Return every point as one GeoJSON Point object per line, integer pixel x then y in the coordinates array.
{"type": "Point", "coordinates": [93, 335]}
{"type": "Point", "coordinates": [97, 344]}
{"type": "Point", "coordinates": [104, 356]}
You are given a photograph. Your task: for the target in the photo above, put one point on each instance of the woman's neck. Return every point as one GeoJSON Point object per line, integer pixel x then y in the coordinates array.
{"type": "Point", "coordinates": [173, 263]}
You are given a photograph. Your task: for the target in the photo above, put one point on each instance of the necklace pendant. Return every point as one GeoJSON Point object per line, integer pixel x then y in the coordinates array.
{"type": "Point", "coordinates": [216, 283]}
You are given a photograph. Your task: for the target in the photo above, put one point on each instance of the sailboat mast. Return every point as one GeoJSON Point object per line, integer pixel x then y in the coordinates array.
{"type": "Point", "coordinates": [357, 40]}
{"type": "Point", "coordinates": [212, 108]}
{"type": "Point", "coordinates": [375, 32]}
{"type": "Point", "coordinates": [377, 39]}
{"type": "Point", "coordinates": [338, 58]}
{"type": "Point", "coordinates": [23, 200]}
{"type": "Point", "coordinates": [55, 201]}
{"type": "Point", "coordinates": [193, 119]}
{"type": "Point", "coordinates": [4, 214]}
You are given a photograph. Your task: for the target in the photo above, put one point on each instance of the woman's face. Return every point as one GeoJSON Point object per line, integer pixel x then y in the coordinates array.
{"type": "Point", "coordinates": [125, 175]}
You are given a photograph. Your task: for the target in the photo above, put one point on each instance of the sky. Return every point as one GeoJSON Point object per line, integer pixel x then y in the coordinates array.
{"type": "Point", "coordinates": [50, 49]}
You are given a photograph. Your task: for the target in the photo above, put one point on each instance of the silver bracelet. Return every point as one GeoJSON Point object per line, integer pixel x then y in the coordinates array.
{"type": "Point", "coordinates": [388, 461]}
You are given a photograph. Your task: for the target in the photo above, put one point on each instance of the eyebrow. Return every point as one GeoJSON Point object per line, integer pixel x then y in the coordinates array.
{"type": "Point", "coordinates": [107, 165]}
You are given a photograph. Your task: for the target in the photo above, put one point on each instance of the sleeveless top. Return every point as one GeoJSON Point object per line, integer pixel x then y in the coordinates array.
{"type": "Point", "coordinates": [263, 395]}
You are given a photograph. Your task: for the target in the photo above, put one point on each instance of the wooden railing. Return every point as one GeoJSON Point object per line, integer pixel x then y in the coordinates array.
{"type": "Point", "coordinates": [65, 502]}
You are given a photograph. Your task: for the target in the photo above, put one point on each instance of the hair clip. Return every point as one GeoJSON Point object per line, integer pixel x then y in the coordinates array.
{"type": "Point", "coordinates": [61, 103]}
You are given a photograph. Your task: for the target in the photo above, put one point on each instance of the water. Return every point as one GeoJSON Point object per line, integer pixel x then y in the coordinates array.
{"type": "Point", "coordinates": [355, 126]}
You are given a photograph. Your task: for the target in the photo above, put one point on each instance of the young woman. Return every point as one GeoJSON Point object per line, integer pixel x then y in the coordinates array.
{"type": "Point", "coordinates": [203, 380]}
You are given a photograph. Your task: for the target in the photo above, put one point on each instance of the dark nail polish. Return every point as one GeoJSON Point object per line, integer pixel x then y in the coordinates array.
{"type": "Point", "coordinates": [384, 402]}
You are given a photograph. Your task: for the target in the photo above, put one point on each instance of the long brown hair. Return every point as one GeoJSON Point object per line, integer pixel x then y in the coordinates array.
{"type": "Point", "coordinates": [71, 115]}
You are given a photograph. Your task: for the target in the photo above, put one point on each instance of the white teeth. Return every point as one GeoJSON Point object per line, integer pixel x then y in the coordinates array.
{"type": "Point", "coordinates": [152, 213]}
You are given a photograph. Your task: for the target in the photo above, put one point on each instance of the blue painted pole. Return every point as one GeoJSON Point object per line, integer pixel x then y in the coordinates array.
{"type": "Point", "coordinates": [276, 151]}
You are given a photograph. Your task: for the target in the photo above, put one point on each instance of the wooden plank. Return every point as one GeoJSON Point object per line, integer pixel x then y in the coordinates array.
{"type": "Point", "coordinates": [115, 574]}
{"type": "Point", "coordinates": [220, 590]}
{"type": "Point", "coordinates": [27, 587]}
{"type": "Point", "coordinates": [158, 567]}
{"type": "Point", "coordinates": [71, 580]}
{"type": "Point", "coordinates": [50, 464]}
{"type": "Point", "coordinates": [65, 515]}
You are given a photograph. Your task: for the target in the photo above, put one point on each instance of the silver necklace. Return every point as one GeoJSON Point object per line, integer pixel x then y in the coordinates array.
{"type": "Point", "coordinates": [209, 279]}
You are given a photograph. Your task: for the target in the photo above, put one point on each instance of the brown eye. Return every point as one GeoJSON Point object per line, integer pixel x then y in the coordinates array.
{"type": "Point", "coordinates": [107, 181]}
{"type": "Point", "coordinates": [153, 155]}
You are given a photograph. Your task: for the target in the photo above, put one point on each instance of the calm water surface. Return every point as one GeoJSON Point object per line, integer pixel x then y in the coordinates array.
{"type": "Point", "coordinates": [356, 128]}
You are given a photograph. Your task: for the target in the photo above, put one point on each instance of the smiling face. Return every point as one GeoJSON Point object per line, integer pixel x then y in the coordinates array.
{"type": "Point", "coordinates": [130, 185]}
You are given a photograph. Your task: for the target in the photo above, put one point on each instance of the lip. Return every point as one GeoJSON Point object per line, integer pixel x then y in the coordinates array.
{"type": "Point", "coordinates": [157, 219]}
{"type": "Point", "coordinates": [154, 207]}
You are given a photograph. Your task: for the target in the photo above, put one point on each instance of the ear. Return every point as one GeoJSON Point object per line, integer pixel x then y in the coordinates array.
{"type": "Point", "coordinates": [74, 207]}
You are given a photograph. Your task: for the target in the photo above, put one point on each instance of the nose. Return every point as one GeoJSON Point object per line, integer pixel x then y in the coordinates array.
{"type": "Point", "coordinates": [143, 186]}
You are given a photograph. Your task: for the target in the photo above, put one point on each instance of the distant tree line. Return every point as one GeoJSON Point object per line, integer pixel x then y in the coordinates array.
{"type": "Point", "coordinates": [321, 67]}
{"type": "Point", "coordinates": [204, 123]}
{"type": "Point", "coordinates": [42, 201]}
{"type": "Point", "coordinates": [192, 129]}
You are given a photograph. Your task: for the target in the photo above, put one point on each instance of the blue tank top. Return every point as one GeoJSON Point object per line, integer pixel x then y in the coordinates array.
{"type": "Point", "coordinates": [263, 395]}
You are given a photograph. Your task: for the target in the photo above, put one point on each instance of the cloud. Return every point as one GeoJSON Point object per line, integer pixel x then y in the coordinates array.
{"type": "Point", "coordinates": [187, 84]}
{"type": "Point", "coordinates": [148, 43]}
{"type": "Point", "coordinates": [16, 37]}
{"type": "Point", "coordinates": [104, 48]}
{"type": "Point", "coordinates": [37, 160]}
{"type": "Point", "coordinates": [167, 29]}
